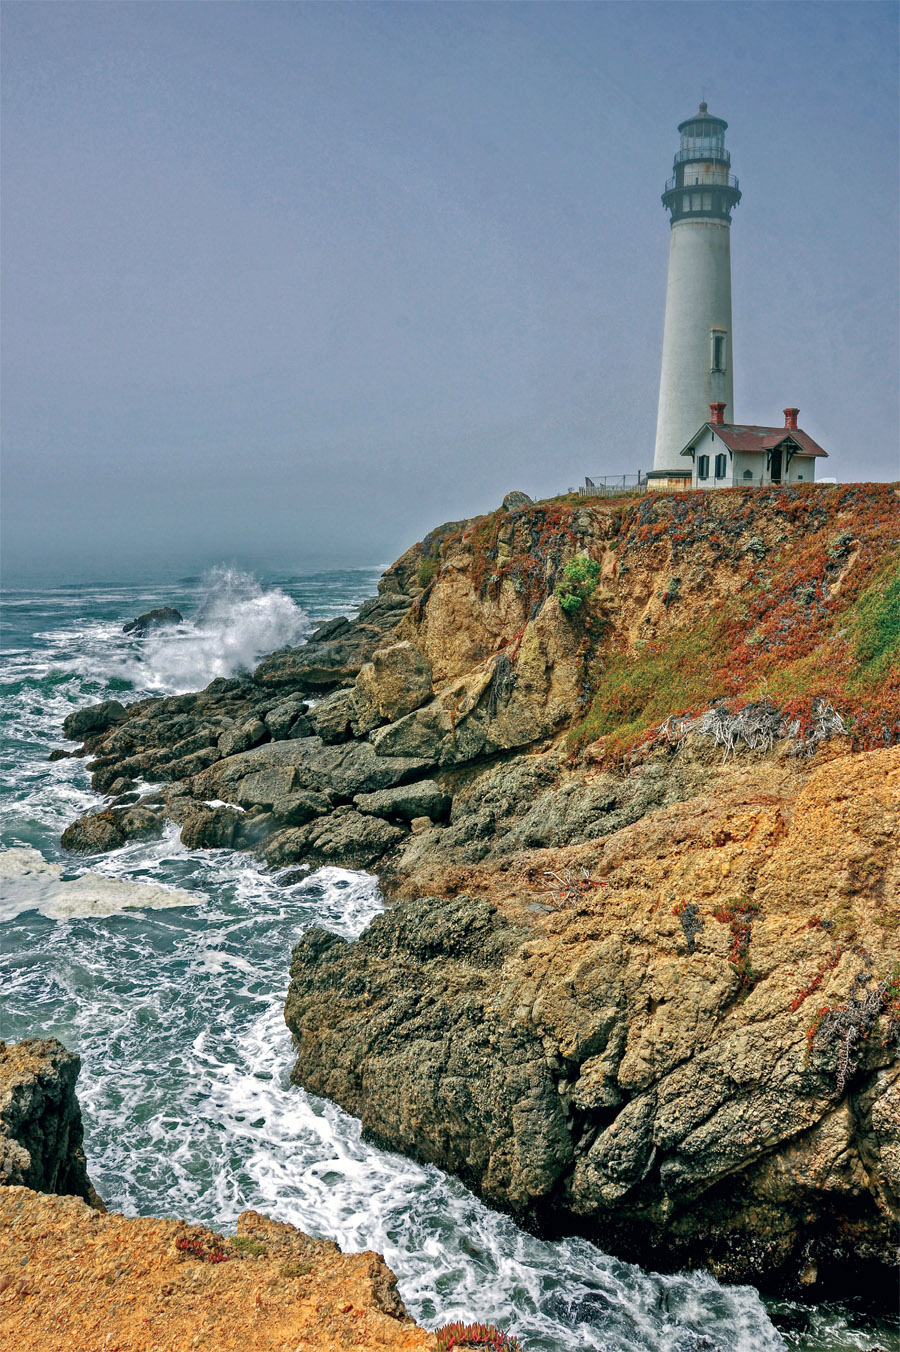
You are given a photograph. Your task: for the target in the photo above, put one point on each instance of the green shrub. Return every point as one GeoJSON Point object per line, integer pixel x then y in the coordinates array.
{"type": "Point", "coordinates": [579, 582]}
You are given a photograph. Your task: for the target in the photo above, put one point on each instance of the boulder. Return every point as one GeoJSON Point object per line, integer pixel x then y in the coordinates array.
{"type": "Point", "coordinates": [280, 719]}
{"type": "Point", "coordinates": [205, 827]}
{"type": "Point", "coordinates": [100, 832]}
{"type": "Point", "coordinates": [515, 501]}
{"type": "Point", "coordinates": [342, 770]}
{"type": "Point", "coordinates": [345, 838]}
{"type": "Point", "coordinates": [296, 809]}
{"type": "Point", "coordinates": [163, 617]}
{"type": "Point", "coordinates": [233, 740]}
{"type": "Point", "coordinates": [394, 683]}
{"type": "Point", "coordinates": [330, 719]}
{"type": "Point", "coordinates": [263, 787]}
{"type": "Point", "coordinates": [407, 801]}
{"type": "Point", "coordinates": [96, 718]}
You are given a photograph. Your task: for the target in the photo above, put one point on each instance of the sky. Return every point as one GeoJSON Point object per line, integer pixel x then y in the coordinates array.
{"type": "Point", "coordinates": [292, 283]}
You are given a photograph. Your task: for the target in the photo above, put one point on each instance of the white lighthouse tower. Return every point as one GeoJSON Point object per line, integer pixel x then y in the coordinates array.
{"type": "Point", "coordinates": [696, 359]}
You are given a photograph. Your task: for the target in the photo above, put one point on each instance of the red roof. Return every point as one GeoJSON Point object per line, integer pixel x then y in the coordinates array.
{"type": "Point", "coordinates": [747, 438]}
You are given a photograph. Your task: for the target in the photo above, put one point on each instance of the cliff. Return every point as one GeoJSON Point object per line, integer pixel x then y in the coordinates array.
{"type": "Point", "coordinates": [637, 755]}
{"type": "Point", "coordinates": [40, 1120]}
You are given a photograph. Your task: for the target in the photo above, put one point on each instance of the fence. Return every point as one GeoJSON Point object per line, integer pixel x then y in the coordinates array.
{"type": "Point", "coordinates": [608, 485]}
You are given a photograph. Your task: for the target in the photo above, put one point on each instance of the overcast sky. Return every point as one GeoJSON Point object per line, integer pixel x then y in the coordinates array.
{"type": "Point", "coordinates": [293, 283]}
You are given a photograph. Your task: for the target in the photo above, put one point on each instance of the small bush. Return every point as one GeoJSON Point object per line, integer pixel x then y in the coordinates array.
{"type": "Point", "coordinates": [246, 1247]}
{"type": "Point", "coordinates": [579, 582]}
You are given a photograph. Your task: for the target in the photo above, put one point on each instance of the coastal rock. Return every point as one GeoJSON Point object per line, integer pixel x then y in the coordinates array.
{"type": "Point", "coordinates": [282, 720]}
{"type": "Point", "coordinates": [344, 770]}
{"type": "Point", "coordinates": [83, 1280]}
{"type": "Point", "coordinates": [99, 832]}
{"type": "Point", "coordinates": [331, 718]}
{"type": "Point", "coordinates": [344, 838]}
{"type": "Point", "coordinates": [394, 683]}
{"type": "Point", "coordinates": [93, 720]}
{"type": "Point", "coordinates": [408, 801]}
{"type": "Point", "coordinates": [40, 1120]}
{"type": "Point", "coordinates": [163, 617]}
{"type": "Point", "coordinates": [248, 734]}
{"type": "Point", "coordinates": [515, 501]}
{"type": "Point", "coordinates": [205, 827]}
{"type": "Point", "coordinates": [638, 1045]}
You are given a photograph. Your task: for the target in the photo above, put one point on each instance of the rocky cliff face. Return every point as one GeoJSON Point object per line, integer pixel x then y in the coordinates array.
{"type": "Point", "coordinates": [636, 754]}
{"type": "Point", "coordinates": [40, 1120]}
{"type": "Point", "coordinates": [637, 1047]}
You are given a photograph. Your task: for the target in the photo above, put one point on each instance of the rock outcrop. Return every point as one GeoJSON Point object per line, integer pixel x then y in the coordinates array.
{"type": "Point", "coordinates": [638, 1046]}
{"type": "Point", "coordinates": [40, 1120]}
{"type": "Point", "coordinates": [72, 1277]}
{"type": "Point", "coordinates": [163, 617]}
{"type": "Point", "coordinates": [611, 741]}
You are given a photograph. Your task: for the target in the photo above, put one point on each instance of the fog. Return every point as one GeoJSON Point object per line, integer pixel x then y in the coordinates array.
{"type": "Point", "coordinates": [291, 284]}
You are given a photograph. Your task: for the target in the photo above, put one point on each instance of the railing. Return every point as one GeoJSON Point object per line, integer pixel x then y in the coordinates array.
{"type": "Point", "coordinates": [729, 181]}
{"type": "Point", "coordinates": [608, 485]}
{"type": "Point", "coordinates": [704, 150]}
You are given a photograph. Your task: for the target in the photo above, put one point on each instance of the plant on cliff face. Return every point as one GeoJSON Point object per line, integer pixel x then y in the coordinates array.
{"type": "Point", "coordinates": [738, 913]}
{"type": "Point", "coordinates": [691, 922]}
{"type": "Point", "coordinates": [579, 582]}
{"type": "Point", "coordinates": [204, 1246]}
{"type": "Point", "coordinates": [463, 1337]}
{"type": "Point", "coordinates": [853, 1022]}
{"type": "Point", "coordinates": [569, 888]}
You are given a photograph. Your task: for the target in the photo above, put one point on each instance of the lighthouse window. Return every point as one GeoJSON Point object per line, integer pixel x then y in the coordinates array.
{"type": "Point", "coordinates": [717, 352]}
{"type": "Point", "coordinates": [687, 201]}
{"type": "Point", "coordinates": [707, 201]}
{"type": "Point", "coordinates": [720, 467]}
{"type": "Point", "coordinates": [696, 201]}
{"type": "Point", "coordinates": [703, 467]}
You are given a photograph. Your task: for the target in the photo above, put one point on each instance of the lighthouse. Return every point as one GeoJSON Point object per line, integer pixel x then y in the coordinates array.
{"type": "Point", "coordinates": [697, 353]}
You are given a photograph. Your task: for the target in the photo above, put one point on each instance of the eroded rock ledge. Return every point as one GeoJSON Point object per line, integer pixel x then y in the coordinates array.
{"type": "Point", "coordinates": [71, 1277]}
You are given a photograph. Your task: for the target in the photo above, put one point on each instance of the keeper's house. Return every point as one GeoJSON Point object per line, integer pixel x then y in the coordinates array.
{"type": "Point", "coordinates": [729, 455]}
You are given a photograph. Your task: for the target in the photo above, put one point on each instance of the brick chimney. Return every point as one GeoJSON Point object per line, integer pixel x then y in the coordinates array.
{"type": "Point", "coordinates": [717, 414]}
{"type": "Point", "coordinates": [790, 417]}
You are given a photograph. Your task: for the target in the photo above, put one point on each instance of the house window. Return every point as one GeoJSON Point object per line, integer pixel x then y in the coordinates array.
{"type": "Point", "coordinates": [703, 467]}
{"type": "Point", "coordinates": [748, 473]}
{"type": "Point", "coordinates": [720, 466]}
{"type": "Point", "coordinates": [717, 350]}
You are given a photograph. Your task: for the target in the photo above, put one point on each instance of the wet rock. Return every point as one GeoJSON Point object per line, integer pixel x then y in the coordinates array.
{"type": "Point", "coordinates": [100, 832]}
{"type": "Point", "coordinates": [40, 1120]}
{"type": "Point", "coordinates": [394, 683]}
{"type": "Point", "coordinates": [344, 838]}
{"type": "Point", "coordinates": [163, 617]}
{"type": "Point", "coordinates": [296, 809]}
{"type": "Point", "coordinates": [429, 1095]}
{"type": "Point", "coordinates": [407, 801]}
{"type": "Point", "coordinates": [95, 719]}
{"type": "Point", "coordinates": [205, 827]}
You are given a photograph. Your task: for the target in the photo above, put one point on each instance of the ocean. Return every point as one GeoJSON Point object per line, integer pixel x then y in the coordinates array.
{"type": "Point", "coordinates": [166, 970]}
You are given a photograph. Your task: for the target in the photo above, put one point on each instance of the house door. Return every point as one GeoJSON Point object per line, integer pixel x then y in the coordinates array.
{"type": "Point", "coordinates": [776, 465]}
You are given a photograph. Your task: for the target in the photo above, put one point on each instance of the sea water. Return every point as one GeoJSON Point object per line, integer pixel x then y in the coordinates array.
{"type": "Point", "coordinates": [166, 970]}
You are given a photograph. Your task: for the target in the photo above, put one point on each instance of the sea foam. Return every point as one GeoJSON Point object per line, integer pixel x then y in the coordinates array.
{"type": "Point", "coordinates": [29, 882]}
